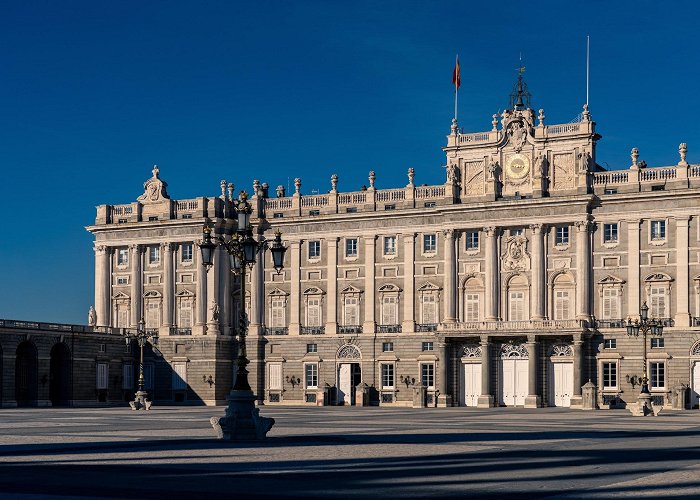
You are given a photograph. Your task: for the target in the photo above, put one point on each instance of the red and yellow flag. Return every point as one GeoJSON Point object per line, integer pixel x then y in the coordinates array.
{"type": "Point", "coordinates": [455, 75]}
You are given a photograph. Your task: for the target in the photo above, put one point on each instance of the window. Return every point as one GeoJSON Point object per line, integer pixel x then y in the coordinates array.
{"type": "Point", "coordinates": [562, 305]}
{"type": "Point", "coordinates": [659, 187]}
{"type": "Point", "coordinates": [314, 213]}
{"type": "Point", "coordinates": [430, 204]}
{"type": "Point", "coordinates": [390, 245]}
{"type": "Point", "coordinates": [429, 243]}
{"type": "Point", "coordinates": [122, 316]}
{"type": "Point", "coordinates": [351, 247]}
{"type": "Point", "coordinates": [277, 215]}
{"type": "Point", "coordinates": [657, 299]}
{"type": "Point", "coordinates": [562, 236]}
{"type": "Point", "coordinates": [148, 376]}
{"type": "Point", "coordinates": [387, 376]}
{"type": "Point", "coordinates": [127, 376]}
{"type": "Point", "coordinates": [311, 347]}
{"type": "Point", "coordinates": [179, 380]}
{"type": "Point", "coordinates": [102, 381]}
{"type": "Point", "coordinates": [427, 346]}
{"type": "Point", "coordinates": [153, 255]}
{"type": "Point", "coordinates": [276, 376]}
{"type": "Point", "coordinates": [391, 206]}
{"type": "Point", "coordinates": [311, 375]}
{"type": "Point", "coordinates": [122, 280]}
{"type": "Point", "coordinates": [427, 375]}
{"type": "Point", "coordinates": [313, 311]}
{"type": "Point", "coordinates": [429, 309]}
{"type": "Point", "coordinates": [152, 314]}
{"type": "Point", "coordinates": [611, 303]}
{"type": "Point", "coordinates": [152, 218]}
{"type": "Point", "coordinates": [390, 305]}
{"type": "Point", "coordinates": [122, 221]}
{"type": "Point", "coordinates": [610, 233]}
{"type": "Point", "coordinates": [657, 343]}
{"type": "Point", "coordinates": [516, 232]}
{"type": "Point", "coordinates": [472, 240]}
{"type": "Point", "coordinates": [658, 230]}
{"type": "Point", "coordinates": [351, 210]}
{"type": "Point", "coordinates": [277, 312]}
{"type": "Point", "coordinates": [387, 347]}
{"type": "Point", "coordinates": [471, 307]}
{"type": "Point", "coordinates": [351, 313]}
{"type": "Point", "coordinates": [657, 374]}
{"type": "Point", "coordinates": [314, 249]}
{"type": "Point", "coordinates": [609, 375]}
{"type": "Point", "coordinates": [610, 343]}
{"type": "Point", "coordinates": [122, 256]}
{"type": "Point", "coordinates": [610, 191]}
{"type": "Point", "coordinates": [516, 306]}
{"type": "Point", "coordinates": [186, 216]}
{"type": "Point", "coordinates": [185, 313]}
{"type": "Point", "coordinates": [186, 252]}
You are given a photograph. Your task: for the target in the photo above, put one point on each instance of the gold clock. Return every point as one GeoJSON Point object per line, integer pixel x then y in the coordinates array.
{"type": "Point", "coordinates": [517, 166]}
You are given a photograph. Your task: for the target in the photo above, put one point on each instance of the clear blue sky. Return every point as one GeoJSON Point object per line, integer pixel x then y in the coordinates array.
{"type": "Point", "coordinates": [94, 93]}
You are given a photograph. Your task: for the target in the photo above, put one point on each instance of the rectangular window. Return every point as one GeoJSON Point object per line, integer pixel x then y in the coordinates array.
{"type": "Point", "coordinates": [314, 249]}
{"type": "Point", "coordinates": [610, 191]}
{"type": "Point", "coordinates": [472, 240]}
{"type": "Point", "coordinates": [186, 216]}
{"type": "Point", "coordinates": [122, 316]}
{"type": "Point", "coordinates": [609, 375]}
{"type": "Point", "coordinates": [311, 375]}
{"type": "Point", "coordinates": [311, 347]}
{"type": "Point", "coordinates": [186, 252]}
{"type": "Point", "coordinates": [611, 304]}
{"type": "Point", "coordinates": [427, 375]}
{"type": "Point", "coordinates": [152, 314]}
{"type": "Point", "coordinates": [391, 206]}
{"type": "Point", "coordinates": [562, 307]}
{"type": "Point", "coordinates": [152, 218]}
{"type": "Point", "coordinates": [610, 343]}
{"type": "Point", "coordinates": [430, 204]}
{"type": "Point", "coordinates": [429, 309]}
{"type": "Point", "coordinates": [659, 187]}
{"type": "Point", "coordinates": [351, 247]}
{"type": "Point", "coordinates": [313, 311]}
{"type": "Point", "coordinates": [277, 215]}
{"type": "Point", "coordinates": [516, 306]}
{"type": "Point", "coordinates": [610, 233]}
{"type": "Point", "coordinates": [516, 232]}
{"type": "Point", "coordinates": [427, 346]}
{"type": "Point", "coordinates": [127, 376]}
{"type": "Point", "coordinates": [390, 310]}
{"type": "Point", "coordinates": [122, 256]}
{"type": "Point", "coordinates": [657, 343]}
{"type": "Point", "coordinates": [148, 376]}
{"type": "Point", "coordinates": [657, 300]}
{"type": "Point", "coordinates": [122, 280]}
{"type": "Point", "coordinates": [153, 255]}
{"type": "Point", "coordinates": [471, 307]}
{"type": "Point", "coordinates": [102, 375]}
{"type": "Point", "coordinates": [314, 213]}
{"type": "Point", "coordinates": [387, 376]}
{"type": "Point", "coordinates": [390, 245]}
{"type": "Point", "coordinates": [185, 314]}
{"type": "Point", "coordinates": [277, 316]}
{"type": "Point", "coordinates": [122, 221]}
{"type": "Point", "coordinates": [179, 376]}
{"type": "Point", "coordinates": [429, 243]}
{"type": "Point", "coordinates": [351, 210]}
{"type": "Point", "coordinates": [352, 311]}
{"type": "Point", "coordinates": [275, 376]}
{"type": "Point", "coordinates": [387, 347]}
{"type": "Point", "coordinates": [657, 374]}
{"type": "Point", "coordinates": [562, 237]}
{"type": "Point", "coordinates": [658, 230]}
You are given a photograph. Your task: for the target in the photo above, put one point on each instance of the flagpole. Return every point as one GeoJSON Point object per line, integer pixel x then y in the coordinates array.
{"type": "Point", "coordinates": [456, 78]}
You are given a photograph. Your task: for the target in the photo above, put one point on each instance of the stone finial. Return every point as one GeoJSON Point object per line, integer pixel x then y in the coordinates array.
{"type": "Point", "coordinates": [372, 176]}
{"type": "Point", "coordinates": [297, 186]}
{"type": "Point", "coordinates": [683, 151]}
{"type": "Point", "coordinates": [494, 122]}
{"type": "Point", "coordinates": [223, 189]}
{"type": "Point", "coordinates": [411, 175]}
{"type": "Point", "coordinates": [243, 196]}
{"type": "Point", "coordinates": [634, 154]}
{"type": "Point", "coordinates": [230, 191]}
{"type": "Point", "coordinates": [453, 128]}
{"type": "Point", "coordinates": [586, 115]}
{"type": "Point", "coordinates": [155, 172]}
{"type": "Point", "coordinates": [334, 183]}
{"type": "Point", "coordinates": [265, 189]}
{"type": "Point", "coordinates": [540, 118]}
{"type": "Point", "coordinates": [280, 191]}
{"type": "Point", "coordinates": [256, 187]}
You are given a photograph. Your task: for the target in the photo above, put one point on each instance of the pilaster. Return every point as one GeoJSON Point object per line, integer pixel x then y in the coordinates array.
{"type": "Point", "coordinates": [409, 256]}
{"type": "Point", "coordinates": [332, 286]}
{"type": "Point", "coordinates": [368, 326]}
{"type": "Point", "coordinates": [633, 299]}
{"type": "Point", "coordinates": [532, 400]}
{"type": "Point", "coordinates": [485, 399]}
{"type": "Point", "coordinates": [168, 285]}
{"type": "Point", "coordinates": [450, 276]}
{"type": "Point", "coordinates": [444, 399]}
{"type": "Point", "coordinates": [682, 317]}
{"type": "Point", "coordinates": [201, 297]}
{"type": "Point", "coordinates": [491, 292]}
{"type": "Point", "coordinates": [136, 274]}
{"type": "Point", "coordinates": [576, 397]}
{"type": "Point", "coordinates": [295, 296]}
{"type": "Point", "coordinates": [102, 284]}
{"type": "Point", "coordinates": [583, 273]}
{"type": "Point", "coordinates": [538, 272]}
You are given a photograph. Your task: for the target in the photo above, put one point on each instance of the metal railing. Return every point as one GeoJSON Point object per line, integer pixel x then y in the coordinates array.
{"type": "Point", "coordinates": [349, 328]}
{"type": "Point", "coordinates": [276, 330]}
{"type": "Point", "coordinates": [180, 331]}
{"type": "Point", "coordinates": [426, 327]}
{"type": "Point", "coordinates": [610, 323]}
{"type": "Point", "coordinates": [388, 328]}
{"type": "Point", "coordinates": [312, 330]}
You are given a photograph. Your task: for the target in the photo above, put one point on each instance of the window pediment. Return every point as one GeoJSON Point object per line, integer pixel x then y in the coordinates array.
{"type": "Point", "coordinates": [121, 296]}
{"type": "Point", "coordinates": [428, 287]}
{"type": "Point", "coordinates": [611, 280]}
{"type": "Point", "coordinates": [389, 288]}
{"type": "Point", "coordinates": [152, 294]}
{"type": "Point", "coordinates": [350, 290]}
{"type": "Point", "coordinates": [313, 291]}
{"type": "Point", "coordinates": [658, 277]}
{"type": "Point", "coordinates": [277, 293]}
{"type": "Point", "coordinates": [184, 293]}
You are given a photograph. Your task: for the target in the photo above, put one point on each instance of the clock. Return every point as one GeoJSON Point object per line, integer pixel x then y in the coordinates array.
{"type": "Point", "coordinates": [517, 166]}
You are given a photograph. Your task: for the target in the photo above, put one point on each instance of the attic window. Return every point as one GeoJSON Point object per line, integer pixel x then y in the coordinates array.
{"type": "Point", "coordinates": [152, 218]}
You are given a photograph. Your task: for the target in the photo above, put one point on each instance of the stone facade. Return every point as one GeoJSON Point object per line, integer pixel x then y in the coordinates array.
{"type": "Point", "coordinates": [506, 285]}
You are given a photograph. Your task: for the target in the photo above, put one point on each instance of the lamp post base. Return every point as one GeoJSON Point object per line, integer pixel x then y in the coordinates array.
{"type": "Point", "coordinates": [140, 402]}
{"type": "Point", "coordinates": [242, 421]}
{"type": "Point", "coordinates": [644, 406]}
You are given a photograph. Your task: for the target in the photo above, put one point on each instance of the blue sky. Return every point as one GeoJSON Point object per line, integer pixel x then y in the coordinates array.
{"type": "Point", "coordinates": [94, 93]}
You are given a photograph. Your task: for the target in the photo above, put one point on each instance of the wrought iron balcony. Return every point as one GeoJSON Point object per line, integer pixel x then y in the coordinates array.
{"type": "Point", "coordinates": [179, 331]}
{"type": "Point", "coordinates": [313, 330]}
{"type": "Point", "coordinates": [276, 330]}
{"type": "Point", "coordinates": [546, 324]}
{"type": "Point", "coordinates": [349, 328]}
{"type": "Point", "coordinates": [426, 327]}
{"type": "Point", "coordinates": [665, 321]}
{"type": "Point", "coordinates": [610, 323]}
{"type": "Point", "coordinates": [388, 328]}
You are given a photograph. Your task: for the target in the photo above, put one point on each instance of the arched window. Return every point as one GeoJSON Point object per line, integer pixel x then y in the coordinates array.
{"type": "Point", "coordinates": [658, 290]}
{"type": "Point", "coordinates": [473, 299]}
{"type": "Point", "coordinates": [518, 299]}
{"type": "Point", "coordinates": [429, 296]}
{"type": "Point", "coordinates": [313, 299]}
{"type": "Point", "coordinates": [563, 293]}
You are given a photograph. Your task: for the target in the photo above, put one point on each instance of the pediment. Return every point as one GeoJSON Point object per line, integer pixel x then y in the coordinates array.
{"type": "Point", "coordinates": [278, 292]}
{"type": "Point", "coordinates": [611, 280]}
{"type": "Point", "coordinates": [184, 293]}
{"type": "Point", "coordinates": [121, 296]}
{"type": "Point", "coordinates": [428, 287]}
{"type": "Point", "coordinates": [351, 289]}
{"type": "Point", "coordinates": [152, 294]}
{"type": "Point", "coordinates": [658, 277]}
{"type": "Point", "coordinates": [389, 288]}
{"type": "Point", "coordinates": [313, 291]}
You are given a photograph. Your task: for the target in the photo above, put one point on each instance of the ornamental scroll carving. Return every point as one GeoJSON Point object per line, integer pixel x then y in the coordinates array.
{"type": "Point", "coordinates": [349, 352]}
{"type": "Point", "coordinates": [155, 189]}
{"type": "Point", "coordinates": [474, 177]}
{"type": "Point", "coordinates": [514, 351]}
{"type": "Point", "coordinates": [562, 350]}
{"type": "Point", "coordinates": [516, 256]}
{"type": "Point", "coordinates": [563, 174]}
{"type": "Point", "coordinates": [471, 351]}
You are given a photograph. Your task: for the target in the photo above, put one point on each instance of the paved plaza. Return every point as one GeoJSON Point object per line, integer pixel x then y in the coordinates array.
{"type": "Point", "coordinates": [350, 452]}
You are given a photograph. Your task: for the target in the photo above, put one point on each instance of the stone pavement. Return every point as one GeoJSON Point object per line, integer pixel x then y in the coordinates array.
{"type": "Point", "coordinates": [351, 453]}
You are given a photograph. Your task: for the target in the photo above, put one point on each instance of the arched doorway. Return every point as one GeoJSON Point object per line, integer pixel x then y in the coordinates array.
{"type": "Point", "coordinates": [26, 377]}
{"type": "Point", "coordinates": [513, 375]}
{"type": "Point", "coordinates": [561, 375]}
{"type": "Point", "coordinates": [349, 373]}
{"type": "Point", "coordinates": [60, 376]}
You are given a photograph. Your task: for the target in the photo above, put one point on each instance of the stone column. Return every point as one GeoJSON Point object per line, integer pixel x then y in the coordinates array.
{"type": "Point", "coordinates": [409, 306]}
{"type": "Point", "coordinates": [226, 305]}
{"type": "Point", "coordinates": [256, 286]}
{"type": "Point", "coordinates": [583, 280]}
{"type": "Point", "coordinates": [450, 276]}
{"type": "Point", "coordinates": [201, 297]}
{"type": "Point", "coordinates": [486, 399]}
{"type": "Point", "coordinates": [103, 283]}
{"type": "Point", "coordinates": [491, 292]}
{"type": "Point", "coordinates": [682, 317]}
{"type": "Point", "coordinates": [444, 399]}
{"type": "Point", "coordinates": [576, 397]}
{"type": "Point", "coordinates": [213, 290]}
{"type": "Point", "coordinates": [369, 245]}
{"type": "Point", "coordinates": [295, 296]}
{"type": "Point", "coordinates": [168, 285]}
{"type": "Point", "coordinates": [136, 276]}
{"type": "Point", "coordinates": [539, 281]}
{"type": "Point", "coordinates": [332, 286]}
{"type": "Point", "coordinates": [633, 302]}
{"type": "Point", "coordinates": [533, 398]}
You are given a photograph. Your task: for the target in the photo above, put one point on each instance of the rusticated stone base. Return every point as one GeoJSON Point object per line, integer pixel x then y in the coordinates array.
{"type": "Point", "coordinates": [242, 421]}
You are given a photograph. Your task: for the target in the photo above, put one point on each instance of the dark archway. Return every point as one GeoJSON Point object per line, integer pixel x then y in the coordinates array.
{"type": "Point", "coordinates": [60, 376]}
{"type": "Point", "coordinates": [26, 375]}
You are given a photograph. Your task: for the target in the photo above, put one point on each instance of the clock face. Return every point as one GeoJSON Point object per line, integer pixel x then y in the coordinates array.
{"type": "Point", "coordinates": [517, 166]}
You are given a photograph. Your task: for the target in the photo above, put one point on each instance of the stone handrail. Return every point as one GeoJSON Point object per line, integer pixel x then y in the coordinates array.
{"type": "Point", "coordinates": [320, 200]}
{"type": "Point", "coordinates": [424, 192]}
{"type": "Point", "coordinates": [61, 327]}
{"type": "Point", "coordinates": [604, 178]}
{"type": "Point", "coordinates": [477, 137]}
{"type": "Point", "coordinates": [187, 205]}
{"type": "Point", "coordinates": [564, 128]}
{"type": "Point", "coordinates": [121, 210]}
{"type": "Point", "coordinates": [356, 198]}
{"type": "Point", "coordinates": [391, 195]}
{"type": "Point", "coordinates": [657, 174]}
{"type": "Point", "coordinates": [278, 203]}
{"type": "Point", "coordinates": [514, 325]}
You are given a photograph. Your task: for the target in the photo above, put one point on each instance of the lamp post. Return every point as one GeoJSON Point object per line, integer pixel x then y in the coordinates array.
{"type": "Point", "coordinates": [242, 420]}
{"type": "Point", "coordinates": [644, 326]}
{"type": "Point", "coordinates": [142, 336]}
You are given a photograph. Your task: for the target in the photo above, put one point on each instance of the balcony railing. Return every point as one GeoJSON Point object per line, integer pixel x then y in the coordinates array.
{"type": "Point", "coordinates": [181, 331]}
{"type": "Point", "coordinates": [547, 324]}
{"type": "Point", "coordinates": [313, 330]}
{"type": "Point", "coordinates": [426, 327]}
{"type": "Point", "coordinates": [610, 323]}
{"type": "Point", "coordinates": [388, 328]}
{"type": "Point", "coordinates": [276, 330]}
{"type": "Point", "coordinates": [666, 321]}
{"type": "Point", "coordinates": [349, 328]}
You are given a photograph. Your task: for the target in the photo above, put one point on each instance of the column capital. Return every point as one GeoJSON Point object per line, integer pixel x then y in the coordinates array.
{"type": "Point", "coordinates": [135, 247]}
{"type": "Point", "coordinates": [532, 339]}
{"type": "Point", "coordinates": [101, 249]}
{"type": "Point", "coordinates": [582, 225]}
{"type": "Point", "coordinates": [537, 228]}
{"type": "Point", "coordinates": [409, 237]}
{"type": "Point", "coordinates": [332, 241]}
{"type": "Point", "coordinates": [168, 246]}
{"type": "Point", "coordinates": [631, 222]}
{"type": "Point", "coordinates": [294, 243]}
{"type": "Point", "coordinates": [484, 340]}
{"type": "Point", "coordinates": [448, 233]}
{"type": "Point", "coordinates": [491, 231]}
{"type": "Point", "coordinates": [372, 239]}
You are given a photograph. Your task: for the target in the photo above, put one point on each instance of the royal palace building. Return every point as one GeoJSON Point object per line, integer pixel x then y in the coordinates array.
{"type": "Point", "coordinates": [508, 285]}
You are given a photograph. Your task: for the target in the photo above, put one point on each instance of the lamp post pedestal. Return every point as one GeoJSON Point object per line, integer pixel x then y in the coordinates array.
{"type": "Point", "coordinates": [140, 402]}
{"type": "Point", "coordinates": [644, 406]}
{"type": "Point", "coordinates": [242, 421]}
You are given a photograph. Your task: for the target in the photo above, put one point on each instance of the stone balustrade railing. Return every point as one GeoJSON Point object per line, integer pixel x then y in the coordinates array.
{"type": "Point", "coordinates": [513, 325]}
{"type": "Point", "coordinates": [564, 128]}
{"type": "Point", "coordinates": [645, 175]}
{"type": "Point", "coordinates": [61, 327]}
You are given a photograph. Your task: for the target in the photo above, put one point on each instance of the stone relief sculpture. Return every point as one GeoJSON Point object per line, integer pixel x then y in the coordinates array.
{"type": "Point", "coordinates": [515, 257]}
{"type": "Point", "coordinates": [563, 172]}
{"type": "Point", "coordinates": [214, 311]}
{"type": "Point", "coordinates": [474, 177]}
{"type": "Point", "coordinates": [518, 134]}
{"type": "Point", "coordinates": [92, 316]}
{"type": "Point", "coordinates": [154, 189]}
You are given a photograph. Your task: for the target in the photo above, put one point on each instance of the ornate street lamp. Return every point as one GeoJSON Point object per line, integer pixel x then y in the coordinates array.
{"type": "Point", "coordinates": [645, 326]}
{"type": "Point", "coordinates": [242, 420]}
{"type": "Point", "coordinates": [142, 336]}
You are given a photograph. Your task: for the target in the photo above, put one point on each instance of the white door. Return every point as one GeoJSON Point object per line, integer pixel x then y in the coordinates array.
{"type": "Point", "coordinates": [345, 383]}
{"type": "Point", "coordinates": [472, 384]}
{"type": "Point", "coordinates": [514, 384]}
{"type": "Point", "coordinates": [561, 384]}
{"type": "Point", "coordinates": [521, 383]}
{"type": "Point", "coordinates": [695, 391]}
